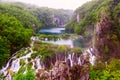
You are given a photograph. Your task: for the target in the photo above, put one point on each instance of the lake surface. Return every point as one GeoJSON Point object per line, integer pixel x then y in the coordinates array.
{"type": "Point", "coordinates": [52, 31]}
{"type": "Point", "coordinates": [72, 42]}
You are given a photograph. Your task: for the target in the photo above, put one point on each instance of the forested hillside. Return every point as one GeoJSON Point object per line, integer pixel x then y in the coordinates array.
{"type": "Point", "coordinates": [95, 23]}
{"type": "Point", "coordinates": [47, 16]}
{"type": "Point", "coordinates": [19, 21]}
{"type": "Point", "coordinates": [94, 16]}
{"type": "Point", "coordinates": [100, 19]}
{"type": "Point", "coordinates": [85, 17]}
{"type": "Point", "coordinates": [41, 16]}
{"type": "Point", "coordinates": [51, 17]}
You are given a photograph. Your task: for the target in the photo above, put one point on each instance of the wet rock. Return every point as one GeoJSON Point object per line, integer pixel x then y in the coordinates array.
{"type": "Point", "coordinates": [68, 62]}
{"type": "Point", "coordinates": [63, 71]}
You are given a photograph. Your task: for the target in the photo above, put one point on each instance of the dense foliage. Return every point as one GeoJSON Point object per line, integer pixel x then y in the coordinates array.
{"type": "Point", "coordinates": [21, 75]}
{"type": "Point", "coordinates": [103, 18]}
{"type": "Point", "coordinates": [49, 53]}
{"type": "Point", "coordinates": [36, 17]}
{"type": "Point", "coordinates": [108, 71]}
{"type": "Point", "coordinates": [17, 22]}
{"type": "Point", "coordinates": [99, 16]}
{"type": "Point", "coordinates": [28, 20]}
{"type": "Point", "coordinates": [13, 36]}
{"type": "Point", "coordinates": [84, 18]}
{"type": "Point", "coordinates": [51, 17]}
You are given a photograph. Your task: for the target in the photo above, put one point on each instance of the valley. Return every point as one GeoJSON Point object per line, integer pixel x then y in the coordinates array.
{"type": "Point", "coordinates": [41, 43]}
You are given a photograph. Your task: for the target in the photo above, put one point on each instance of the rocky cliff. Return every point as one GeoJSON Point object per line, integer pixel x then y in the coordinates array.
{"type": "Point", "coordinates": [99, 19]}
{"type": "Point", "coordinates": [107, 37]}
{"type": "Point", "coordinates": [62, 71]}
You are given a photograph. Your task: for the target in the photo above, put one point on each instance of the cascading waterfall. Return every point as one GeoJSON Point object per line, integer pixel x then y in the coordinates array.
{"type": "Point", "coordinates": [13, 64]}
{"type": "Point", "coordinates": [70, 57]}
{"type": "Point", "coordinates": [38, 64]}
{"type": "Point", "coordinates": [91, 56]}
{"type": "Point", "coordinates": [4, 69]}
{"type": "Point", "coordinates": [79, 61]}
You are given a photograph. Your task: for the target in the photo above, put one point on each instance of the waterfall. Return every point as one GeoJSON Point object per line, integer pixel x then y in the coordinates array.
{"type": "Point", "coordinates": [15, 65]}
{"type": "Point", "coordinates": [92, 57]}
{"type": "Point", "coordinates": [70, 57]}
{"type": "Point", "coordinates": [38, 64]}
{"type": "Point", "coordinates": [8, 77]}
{"type": "Point", "coordinates": [4, 69]}
{"type": "Point", "coordinates": [79, 61]}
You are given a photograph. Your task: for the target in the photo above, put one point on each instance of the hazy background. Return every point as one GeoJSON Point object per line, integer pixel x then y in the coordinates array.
{"type": "Point", "coordinates": [65, 4]}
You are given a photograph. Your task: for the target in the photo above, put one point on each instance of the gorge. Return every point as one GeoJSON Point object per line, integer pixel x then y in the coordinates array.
{"type": "Point", "coordinates": [36, 46]}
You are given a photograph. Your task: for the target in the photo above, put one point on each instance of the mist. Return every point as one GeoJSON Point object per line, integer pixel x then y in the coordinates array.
{"type": "Point", "coordinates": [58, 4]}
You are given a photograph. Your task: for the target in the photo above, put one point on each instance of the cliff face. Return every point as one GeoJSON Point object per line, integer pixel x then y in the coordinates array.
{"type": "Point", "coordinates": [103, 18]}
{"type": "Point", "coordinates": [62, 71]}
{"type": "Point", "coordinates": [107, 37]}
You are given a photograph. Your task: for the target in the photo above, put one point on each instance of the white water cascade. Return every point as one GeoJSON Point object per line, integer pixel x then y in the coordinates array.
{"type": "Point", "coordinates": [91, 56]}
{"type": "Point", "coordinates": [13, 64]}
{"type": "Point", "coordinates": [87, 52]}
{"type": "Point", "coordinates": [70, 57]}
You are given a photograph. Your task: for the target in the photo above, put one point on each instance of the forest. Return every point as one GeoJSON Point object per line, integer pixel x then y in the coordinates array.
{"type": "Point", "coordinates": [24, 54]}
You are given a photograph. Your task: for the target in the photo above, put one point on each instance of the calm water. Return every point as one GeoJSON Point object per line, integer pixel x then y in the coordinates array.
{"type": "Point", "coordinates": [77, 42]}
{"type": "Point", "coordinates": [53, 31]}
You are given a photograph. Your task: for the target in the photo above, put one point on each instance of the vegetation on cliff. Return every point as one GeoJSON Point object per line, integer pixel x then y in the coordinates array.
{"type": "Point", "coordinates": [99, 19]}
{"type": "Point", "coordinates": [103, 18]}
{"type": "Point", "coordinates": [13, 36]}
{"type": "Point", "coordinates": [84, 17]}
{"type": "Point", "coordinates": [17, 23]}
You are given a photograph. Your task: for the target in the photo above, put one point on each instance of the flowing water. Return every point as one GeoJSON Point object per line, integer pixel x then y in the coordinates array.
{"type": "Point", "coordinates": [14, 63]}
{"type": "Point", "coordinates": [72, 42]}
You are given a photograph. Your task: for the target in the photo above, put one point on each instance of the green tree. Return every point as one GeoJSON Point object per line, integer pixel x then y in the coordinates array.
{"type": "Point", "coordinates": [13, 36]}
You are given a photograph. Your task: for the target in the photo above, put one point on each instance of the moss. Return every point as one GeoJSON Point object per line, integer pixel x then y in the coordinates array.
{"type": "Point", "coordinates": [106, 49]}
{"type": "Point", "coordinates": [99, 66]}
{"type": "Point", "coordinates": [34, 55]}
{"type": "Point", "coordinates": [29, 59]}
{"type": "Point", "coordinates": [76, 50]}
{"type": "Point", "coordinates": [22, 62]}
{"type": "Point", "coordinates": [114, 37]}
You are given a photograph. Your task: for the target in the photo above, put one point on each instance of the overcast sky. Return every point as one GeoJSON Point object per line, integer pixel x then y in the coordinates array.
{"type": "Point", "coordinates": [65, 4]}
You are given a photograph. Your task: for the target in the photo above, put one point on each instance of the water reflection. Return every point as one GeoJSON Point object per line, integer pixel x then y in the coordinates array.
{"type": "Point", "coordinates": [72, 42]}
{"type": "Point", "coordinates": [52, 31]}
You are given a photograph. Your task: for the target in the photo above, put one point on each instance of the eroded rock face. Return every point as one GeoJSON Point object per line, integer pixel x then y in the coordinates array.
{"type": "Point", "coordinates": [106, 39]}
{"type": "Point", "coordinates": [71, 59]}
{"type": "Point", "coordinates": [62, 71]}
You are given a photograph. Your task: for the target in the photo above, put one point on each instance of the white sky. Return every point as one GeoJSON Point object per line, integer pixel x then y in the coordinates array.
{"type": "Point", "coordinates": [65, 4]}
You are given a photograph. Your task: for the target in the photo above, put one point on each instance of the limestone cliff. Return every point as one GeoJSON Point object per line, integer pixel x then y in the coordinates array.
{"type": "Point", "coordinates": [107, 36]}
{"type": "Point", "coordinates": [99, 19]}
